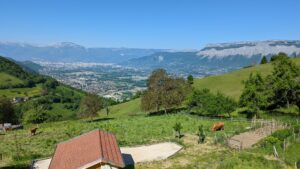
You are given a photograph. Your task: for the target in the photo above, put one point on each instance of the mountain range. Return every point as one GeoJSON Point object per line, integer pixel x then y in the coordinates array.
{"type": "Point", "coordinates": [212, 59]}
{"type": "Point", "coordinates": [70, 52]}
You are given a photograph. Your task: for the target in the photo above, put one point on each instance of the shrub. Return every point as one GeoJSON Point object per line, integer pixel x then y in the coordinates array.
{"type": "Point", "coordinates": [177, 127]}
{"type": "Point", "coordinates": [201, 134]}
{"type": "Point", "coordinates": [296, 128]}
{"type": "Point", "coordinates": [35, 116]}
{"type": "Point", "coordinates": [282, 134]}
{"type": "Point", "coordinates": [271, 140]}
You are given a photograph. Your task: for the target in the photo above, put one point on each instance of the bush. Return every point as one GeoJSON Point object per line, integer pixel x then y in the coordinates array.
{"type": "Point", "coordinates": [177, 127]}
{"type": "Point", "coordinates": [35, 116]}
{"type": "Point", "coordinates": [282, 134]}
{"type": "Point", "coordinates": [270, 140]}
{"type": "Point", "coordinates": [206, 103]}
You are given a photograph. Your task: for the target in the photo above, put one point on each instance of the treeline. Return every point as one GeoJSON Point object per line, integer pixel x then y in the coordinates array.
{"type": "Point", "coordinates": [281, 89]}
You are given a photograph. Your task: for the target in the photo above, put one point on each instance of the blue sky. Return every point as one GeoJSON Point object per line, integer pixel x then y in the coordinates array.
{"type": "Point", "coordinates": [175, 24]}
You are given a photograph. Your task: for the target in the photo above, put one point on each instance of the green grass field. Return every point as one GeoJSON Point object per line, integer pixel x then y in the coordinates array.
{"type": "Point", "coordinates": [129, 131]}
{"type": "Point", "coordinates": [21, 92]}
{"type": "Point", "coordinates": [8, 80]}
{"type": "Point", "coordinates": [231, 84]}
{"type": "Point", "coordinates": [130, 108]}
{"type": "Point", "coordinates": [137, 130]}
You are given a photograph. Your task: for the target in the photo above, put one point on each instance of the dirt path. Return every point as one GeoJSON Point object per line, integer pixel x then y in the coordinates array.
{"type": "Point", "coordinates": [148, 153]}
{"type": "Point", "coordinates": [248, 139]}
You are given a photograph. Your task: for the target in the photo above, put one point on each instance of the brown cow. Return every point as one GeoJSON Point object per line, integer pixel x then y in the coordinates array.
{"type": "Point", "coordinates": [33, 131]}
{"type": "Point", "coordinates": [218, 126]}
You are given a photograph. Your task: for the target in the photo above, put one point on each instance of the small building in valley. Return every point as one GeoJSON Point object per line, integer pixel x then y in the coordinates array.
{"type": "Point", "coordinates": [93, 150]}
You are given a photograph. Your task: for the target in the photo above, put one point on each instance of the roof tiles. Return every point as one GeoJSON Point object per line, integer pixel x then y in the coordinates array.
{"type": "Point", "coordinates": [87, 150]}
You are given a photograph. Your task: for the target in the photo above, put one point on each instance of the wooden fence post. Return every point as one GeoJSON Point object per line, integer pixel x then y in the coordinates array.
{"type": "Point", "coordinates": [284, 144]}
{"type": "Point", "coordinates": [275, 152]}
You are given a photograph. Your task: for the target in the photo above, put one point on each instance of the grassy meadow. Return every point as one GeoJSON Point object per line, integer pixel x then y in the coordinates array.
{"type": "Point", "coordinates": [21, 92]}
{"type": "Point", "coordinates": [18, 148]}
{"type": "Point", "coordinates": [129, 131]}
{"type": "Point", "coordinates": [8, 80]}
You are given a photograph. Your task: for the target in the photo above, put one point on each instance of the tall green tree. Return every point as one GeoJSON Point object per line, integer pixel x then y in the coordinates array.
{"type": "Point", "coordinates": [190, 79]}
{"type": "Point", "coordinates": [264, 60]}
{"type": "Point", "coordinates": [164, 91]}
{"type": "Point", "coordinates": [7, 114]}
{"type": "Point", "coordinates": [254, 95]}
{"type": "Point", "coordinates": [89, 106]}
{"type": "Point", "coordinates": [285, 81]}
{"type": "Point", "coordinates": [153, 96]}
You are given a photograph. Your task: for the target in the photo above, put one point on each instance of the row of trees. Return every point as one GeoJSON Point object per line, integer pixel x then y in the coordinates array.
{"type": "Point", "coordinates": [280, 55]}
{"type": "Point", "coordinates": [280, 89]}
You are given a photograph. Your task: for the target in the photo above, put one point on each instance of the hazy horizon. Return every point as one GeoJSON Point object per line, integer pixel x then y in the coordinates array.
{"type": "Point", "coordinates": [148, 24]}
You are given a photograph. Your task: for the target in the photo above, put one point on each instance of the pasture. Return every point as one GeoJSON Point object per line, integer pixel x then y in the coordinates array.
{"type": "Point", "coordinates": [21, 92]}
{"type": "Point", "coordinates": [19, 148]}
{"type": "Point", "coordinates": [8, 80]}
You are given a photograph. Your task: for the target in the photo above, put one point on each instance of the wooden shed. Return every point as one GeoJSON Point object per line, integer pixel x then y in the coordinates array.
{"type": "Point", "coordinates": [94, 150]}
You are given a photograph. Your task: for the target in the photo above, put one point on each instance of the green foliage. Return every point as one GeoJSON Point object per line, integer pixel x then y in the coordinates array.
{"type": "Point", "coordinates": [280, 89]}
{"type": "Point", "coordinates": [205, 103]}
{"type": "Point", "coordinates": [177, 127]}
{"type": "Point", "coordinates": [284, 82]}
{"type": "Point", "coordinates": [190, 79]}
{"type": "Point", "coordinates": [296, 128]}
{"type": "Point", "coordinates": [163, 91]}
{"type": "Point", "coordinates": [201, 134]}
{"type": "Point", "coordinates": [35, 116]}
{"type": "Point", "coordinates": [279, 56]}
{"type": "Point", "coordinates": [271, 140]}
{"type": "Point", "coordinates": [292, 154]}
{"type": "Point", "coordinates": [6, 111]}
{"type": "Point", "coordinates": [264, 60]}
{"type": "Point", "coordinates": [282, 134]}
{"type": "Point", "coordinates": [244, 160]}
{"type": "Point", "coordinates": [51, 84]}
{"type": "Point", "coordinates": [254, 95]}
{"type": "Point", "coordinates": [90, 105]}
{"type": "Point", "coordinates": [13, 69]}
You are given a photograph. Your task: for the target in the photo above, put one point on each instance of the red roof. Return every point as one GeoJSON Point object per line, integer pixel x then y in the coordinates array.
{"type": "Point", "coordinates": [88, 150]}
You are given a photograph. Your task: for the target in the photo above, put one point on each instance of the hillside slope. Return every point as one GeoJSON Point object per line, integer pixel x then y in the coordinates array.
{"type": "Point", "coordinates": [57, 101]}
{"type": "Point", "coordinates": [6, 80]}
{"type": "Point", "coordinates": [230, 84]}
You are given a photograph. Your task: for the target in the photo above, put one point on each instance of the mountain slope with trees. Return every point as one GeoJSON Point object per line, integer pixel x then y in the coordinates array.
{"type": "Point", "coordinates": [230, 84]}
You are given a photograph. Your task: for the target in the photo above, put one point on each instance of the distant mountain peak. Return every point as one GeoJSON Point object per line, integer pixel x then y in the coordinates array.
{"type": "Point", "coordinates": [67, 44]}
{"type": "Point", "coordinates": [249, 49]}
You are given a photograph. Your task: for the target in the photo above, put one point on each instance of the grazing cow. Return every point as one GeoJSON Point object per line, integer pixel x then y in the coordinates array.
{"type": "Point", "coordinates": [218, 126]}
{"type": "Point", "coordinates": [33, 131]}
